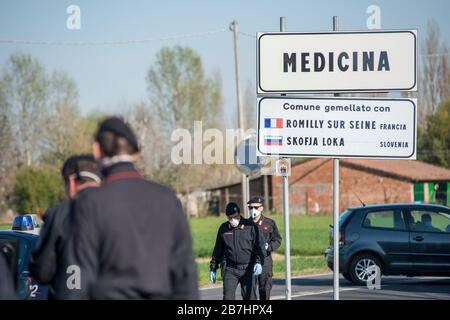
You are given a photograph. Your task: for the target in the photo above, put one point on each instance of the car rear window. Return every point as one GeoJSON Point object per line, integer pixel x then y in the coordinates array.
{"type": "Point", "coordinates": [385, 219]}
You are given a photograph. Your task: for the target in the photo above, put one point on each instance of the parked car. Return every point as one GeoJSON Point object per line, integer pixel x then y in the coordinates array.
{"type": "Point", "coordinates": [400, 239]}
{"type": "Point", "coordinates": [17, 245]}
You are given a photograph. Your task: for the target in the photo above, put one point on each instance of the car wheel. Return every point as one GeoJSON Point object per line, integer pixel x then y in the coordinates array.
{"type": "Point", "coordinates": [364, 268]}
{"type": "Point", "coordinates": [347, 276]}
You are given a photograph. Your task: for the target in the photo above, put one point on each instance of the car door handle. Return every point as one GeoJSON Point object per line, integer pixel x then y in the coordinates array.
{"type": "Point", "coordinates": [418, 238]}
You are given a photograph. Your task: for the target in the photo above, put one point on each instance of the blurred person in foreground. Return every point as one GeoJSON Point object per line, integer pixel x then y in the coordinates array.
{"type": "Point", "coordinates": [52, 255]}
{"type": "Point", "coordinates": [131, 236]}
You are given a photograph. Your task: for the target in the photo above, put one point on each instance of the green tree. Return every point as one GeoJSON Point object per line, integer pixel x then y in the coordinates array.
{"type": "Point", "coordinates": [40, 125]}
{"type": "Point", "coordinates": [434, 142]}
{"type": "Point", "coordinates": [37, 189]}
{"type": "Point", "coordinates": [67, 131]}
{"type": "Point", "coordinates": [179, 90]}
{"type": "Point", "coordinates": [180, 93]}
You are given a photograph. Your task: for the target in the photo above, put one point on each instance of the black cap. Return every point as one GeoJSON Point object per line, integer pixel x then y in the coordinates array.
{"type": "Point", "coordinates": [232, 208]}
{"type": "Point", "coordinates": [82, 166]}
{"type": "Point", "coordinates": [118, 126]}
{"type": "Point", "coordinates": [256, 199]}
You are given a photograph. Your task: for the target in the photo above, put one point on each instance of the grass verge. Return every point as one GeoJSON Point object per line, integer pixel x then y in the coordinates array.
{"type": "Point", "coordinates": [300, 265]}
{"type": "Point", "coordinates": [309, 234]}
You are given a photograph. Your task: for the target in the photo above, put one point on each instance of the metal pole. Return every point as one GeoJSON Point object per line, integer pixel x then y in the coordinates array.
{"type": "Point", "coordinates": [234, 28]}
{"type": "Point", "coordinates": [287, 242]}
{"type": "Point", "coordinates": [247, 190]}
{"type": "Point", "coordinates": [336, 208]}
{"type": "Point", "coordinates": [282, 24]}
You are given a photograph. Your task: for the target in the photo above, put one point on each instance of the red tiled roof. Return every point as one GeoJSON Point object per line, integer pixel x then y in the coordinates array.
{"type": "Point", "coordinates": [412, 170]}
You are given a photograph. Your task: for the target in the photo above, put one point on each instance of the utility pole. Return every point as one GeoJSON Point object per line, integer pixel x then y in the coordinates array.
{"type": "Point", "coordinates": [245, 185]}
{"type": "Point", "coordinates": [336, 207]}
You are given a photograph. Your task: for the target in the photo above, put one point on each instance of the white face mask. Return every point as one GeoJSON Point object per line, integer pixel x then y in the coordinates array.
{"type": "Point", "coordinates": [234, 222]}
{"type": "Point", "coordinates": [254, 213]}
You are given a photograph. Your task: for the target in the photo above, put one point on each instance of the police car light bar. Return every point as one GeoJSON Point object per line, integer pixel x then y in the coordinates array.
{"type": "Point", "coordinates": [23, 223]}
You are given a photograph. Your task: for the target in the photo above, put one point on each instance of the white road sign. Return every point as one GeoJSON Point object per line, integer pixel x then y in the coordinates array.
{"type": "Point", "coordinates": [337, 61]}
{"type": "Point", "coordinates": [337, 127]}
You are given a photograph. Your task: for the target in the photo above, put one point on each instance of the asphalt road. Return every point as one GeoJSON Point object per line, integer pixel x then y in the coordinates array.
{"type": "Point", "coordinates": [320, 287]}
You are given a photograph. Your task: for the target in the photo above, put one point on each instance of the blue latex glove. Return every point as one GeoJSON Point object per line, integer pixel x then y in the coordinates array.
{"type": "Point", "coordinates": [257, 269]}
{"type": "Point", "coordinates": [212, 277]}
{"type": "Point", "coordinates": [267, 246]}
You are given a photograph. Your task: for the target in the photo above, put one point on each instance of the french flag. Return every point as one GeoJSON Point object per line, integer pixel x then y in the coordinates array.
{"type": "Point", "coordinates": [273, 123]}
{"type": "Point", "coordinates": [273, 140]}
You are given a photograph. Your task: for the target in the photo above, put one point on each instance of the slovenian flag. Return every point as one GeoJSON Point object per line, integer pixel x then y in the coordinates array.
{"type": "Point", "coordinates": [273, 123]}
{"type": "Point", "coordinates": [273, 140]}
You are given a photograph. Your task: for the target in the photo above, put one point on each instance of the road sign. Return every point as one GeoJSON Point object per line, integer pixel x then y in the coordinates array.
{"type": "Point", "coordinates": [337, 127]}
{"type": "Point", "coordinates": [283, 167]}
{"type": "Point", "coordinates": [246, 160]}
{"type": "Point", "coordinates": [362, 61]}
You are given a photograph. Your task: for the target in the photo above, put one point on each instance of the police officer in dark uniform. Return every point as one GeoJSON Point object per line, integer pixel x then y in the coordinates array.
{"type": "Point", "coordinates": [131, 236]}
{"type": "Point", "coordinates": [52, 255]}
{"type": "Point", "coordinates": [272, 239]}
{"type": "Point", "coordinates": [240, 243]}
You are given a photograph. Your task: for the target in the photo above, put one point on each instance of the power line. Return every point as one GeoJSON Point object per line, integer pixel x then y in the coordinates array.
{"type": "Point", "coordinates": [145, 40]}
{"type": "Point", "coordinates": [119, 42]}
{"type": "Point", "coordinates": [247, 34]}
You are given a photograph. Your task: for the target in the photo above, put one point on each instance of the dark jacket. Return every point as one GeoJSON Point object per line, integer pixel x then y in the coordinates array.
{"type": "Point", "coordinates": [242, 245]}
{"type": "Point", "coordinates": [53, 255]}
{"type": "Point", "coordinates": [132, 241]}
{"type": "Point", "coordinates": [45, 259]}
{"type": "Point", "coordinates": [7, 291]}
{"type": "Point", "coordinates": [271, 235]}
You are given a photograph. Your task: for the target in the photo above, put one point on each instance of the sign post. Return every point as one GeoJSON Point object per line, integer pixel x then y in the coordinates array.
{"type": "Point", "coordinates": [335, 208]}
{"type": "Point", "coordinates": [248, 163]}
{"type": "Point", "coordinates": [287, 241]}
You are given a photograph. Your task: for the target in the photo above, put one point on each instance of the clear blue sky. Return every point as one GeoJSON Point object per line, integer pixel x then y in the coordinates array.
{"type": "Point", "coordinates": [110, 76]}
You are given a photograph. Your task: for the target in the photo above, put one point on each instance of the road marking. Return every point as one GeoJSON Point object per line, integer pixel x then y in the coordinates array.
{"type": "Point", "coordinates": [212, 286]}
{"type": "Point", "coordinates": [305, 294]}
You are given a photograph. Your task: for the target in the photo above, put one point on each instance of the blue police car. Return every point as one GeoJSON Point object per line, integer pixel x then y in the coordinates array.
{"type": "Point", "coordinates": [17, 245]}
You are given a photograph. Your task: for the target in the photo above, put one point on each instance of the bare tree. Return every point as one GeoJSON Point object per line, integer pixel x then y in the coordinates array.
{"type": "Point", "coordinates": [434, 73]}
{"type": "Point", "coordinates": [23, 87]}
{"type": "Point", "coordinates": [67, 132]}
{"type": "Point", "coordinates": [155, 145]}
{"type": "Point", "coordinates": [8, 163]}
